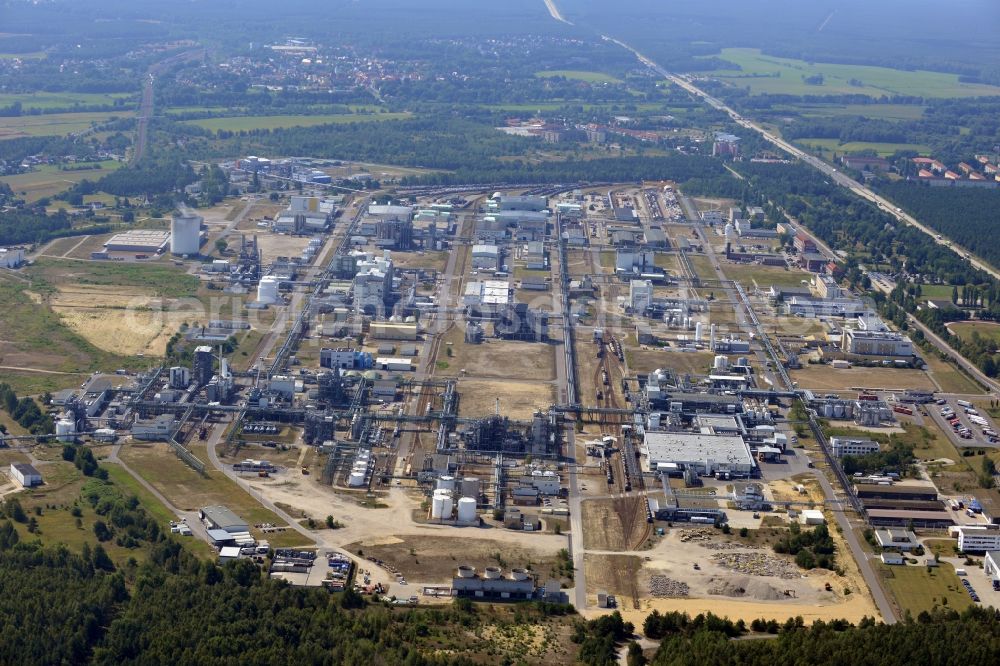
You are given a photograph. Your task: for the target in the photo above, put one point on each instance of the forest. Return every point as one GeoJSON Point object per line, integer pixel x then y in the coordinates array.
{"type": "Point", "coordinates": [966, 215]}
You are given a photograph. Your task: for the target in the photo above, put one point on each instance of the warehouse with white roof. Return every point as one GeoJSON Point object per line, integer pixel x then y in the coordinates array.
{"type": "Point", "coordinates": [702, 453]}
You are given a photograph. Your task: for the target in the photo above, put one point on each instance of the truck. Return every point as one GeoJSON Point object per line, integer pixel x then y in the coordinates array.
{"type": "Point", "coordinates": [963, 403]}
{"type": "Point", "coordinates": [903, 410]}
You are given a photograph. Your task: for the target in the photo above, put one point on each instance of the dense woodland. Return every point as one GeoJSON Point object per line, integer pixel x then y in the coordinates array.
{"type": "Point", "coordinates": [967, 215]}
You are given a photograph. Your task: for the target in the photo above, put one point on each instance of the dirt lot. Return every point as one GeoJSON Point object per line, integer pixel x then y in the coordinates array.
{"type": "Point", "coordinates": [430, 558]}
{"type": "Point", "coordinates": [518, 400]}
{"type": "Point", "coordinates": [496, 358]}
{"type": "Point", "coordinates": [778, 588]}
{"type": "Point", "coordinates": [435, 261]}
{"type": "Point", "coordinates": [646, 360]}
{"type": "Point", "coordinates": [614, 574]}
{"type": "Point", "coordinates": [824, 378]}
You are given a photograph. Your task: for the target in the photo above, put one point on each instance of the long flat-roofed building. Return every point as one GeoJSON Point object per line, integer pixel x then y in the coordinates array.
{"type": "Point", "coordinates": [702, 453]}
{"type": "Point", "coordinates": [138, 240]}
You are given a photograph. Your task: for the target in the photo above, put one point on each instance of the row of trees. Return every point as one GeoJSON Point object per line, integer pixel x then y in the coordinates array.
{"type": "Point", "coordinates": [25, 411]}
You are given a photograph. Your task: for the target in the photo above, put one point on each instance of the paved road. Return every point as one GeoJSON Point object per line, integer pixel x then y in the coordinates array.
{"type": "Point", "coordinates": [813, 161]}
{"type": "Point", "coordinates": [864, 564]}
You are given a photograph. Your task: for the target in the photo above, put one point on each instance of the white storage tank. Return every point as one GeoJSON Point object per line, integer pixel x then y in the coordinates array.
{"type": "Point", "coordinates": [267, 289]}
{"type": "Point", "coordinates": [185, 233]}
{"type": "Point", "coordinates": [65, 430]}
{"type": "Point", "coordinates": [446, 483]}
{"type": "Point", "coordinates": [356, 479]}
{"type": "Point", "coordinates": [720, 363]}
{"type": "Point", "coordinates": [467, 510]}
{"type": "Point", "coordinates": [441, 506]}
{"type": "Point", "coordinates": [698, 332]}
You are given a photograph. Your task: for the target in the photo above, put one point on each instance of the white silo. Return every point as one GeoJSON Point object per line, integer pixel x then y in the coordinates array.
{"type": "Point", "coordinates": [267, 289]}
{"type": "Point", "coordinates": [698, 331]}
{"type": "Point", "coordinates": [185, 233]}
{"type": "Point", "coordinates": [721, 363]}
{"type": "Point", "coordinates": [441, 505]}
{"type": "Point", "coordinates": [446, 483]}
{"type": "Point", "coordinates": [466, 510]}
{"type": "Point", "coordinates": [65, 430]}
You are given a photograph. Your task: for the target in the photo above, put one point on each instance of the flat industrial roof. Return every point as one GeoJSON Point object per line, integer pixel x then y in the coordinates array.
{"type": "Point", "coordinates": [26, 469]}
{"type": "Point", "coordinates": [696, 447]}
{"type": "Point", "coordinates": [139, 238]}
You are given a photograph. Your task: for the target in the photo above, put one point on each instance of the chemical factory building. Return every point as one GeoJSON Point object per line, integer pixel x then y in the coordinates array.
{"type": "Point", "coordinates": [222, 518]}
{"type": "Point", "coordinates": [138, 240]}
{"type": "Point", "coordinates": [705, 454]}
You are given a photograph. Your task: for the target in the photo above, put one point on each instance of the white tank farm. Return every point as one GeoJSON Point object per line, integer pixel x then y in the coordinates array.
{"type": "Point", "coordinates": [356, 479]}
{"type": "Point", "coordinates": [267, 289]}
{"type": "Point", "coordinates": [466, 510]}
{"type": "Point", "coordinates": [185, 233]}
{"type": "Point", "coordinates": [441, 505]}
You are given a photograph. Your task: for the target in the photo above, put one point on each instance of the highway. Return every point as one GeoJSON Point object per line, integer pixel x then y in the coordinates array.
{"type": "Point", "coordinates": [829, 171]}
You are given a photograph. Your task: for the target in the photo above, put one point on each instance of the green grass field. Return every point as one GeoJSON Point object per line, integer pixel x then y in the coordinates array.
{"type": "Point", "coordinates": [985, 329]}
{"type": "Point", "coordinates": [54, 124]}
{"type": "Point", "coordinates": [243, 123]}
{"type": "Point", "coordinates": [874, 81]}
{"type": "Point", "coordinates": [833, 145]}
{"type": "Point", "coordinates": [875, 111]}
{"type": "Point", "coordinates": [589, 77]}
{"type": "Point", "coordinates": [48, 180]}
{"type": "Point", "coordinates": [950, 378]}
{"type": "Point", "coordinates": [167, 281]}
{"type": "Point", "coordinates": [917, 589]}
{"type": "Point", "coordinates": [764, 276]}
{"type": "Point", "coordinates": [47, 100]}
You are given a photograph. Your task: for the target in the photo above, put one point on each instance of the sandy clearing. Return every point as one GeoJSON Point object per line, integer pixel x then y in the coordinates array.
{"type": "Point", "coordinates": [123, 331]}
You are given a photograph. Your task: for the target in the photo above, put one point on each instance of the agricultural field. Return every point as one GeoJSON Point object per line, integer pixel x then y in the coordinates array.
{"type": "Point", "coordinates": [61, 100]}
{"type": "Point", "coordinates": [47, 181]}
{"type": "Point", "coordinates": [784, 76]}
{"type": "Point", "coordinates": [246, 123]}
{"type": "Point", "coordinates": [916, 589]}
{"type": "Point", "coordinates": [576, 75]}
{"type": "Point", "coordinates": [873, 111]}
{"type": "Point", "coordinates": [835, 146]}
{"type": "Point", "coordinates": [55, 124]}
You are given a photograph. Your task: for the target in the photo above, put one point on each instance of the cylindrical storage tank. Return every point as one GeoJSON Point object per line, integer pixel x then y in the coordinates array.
{"type": "Point", "coordinates": [698, 331]}
{"type": "Point", "coordinates": [437, 506]}
{"type": "Point", "coordinates": [492, 573]}
{"type": "Point", "coordinates": [185, 233]}
{"type": "Point", "coordinates": [446, 483]}
{"type": "Point", "coordinates": [470, 487]}
{"type": "Point", "coordinates": [466, 571]}
{"type": "Point", "coordinates": [467, 510]}
{"type": "Point", "coordinates": [65, 430]}
{"type": "Point", "coordinates": [356, 479]}
{"type": "Point", "coordinates": [447, 506]}
{"type": "Point", "coordinates": [721, 363]}
{"type": "Point", "coordinates": [519, 574]}
{"type": "Point", "coordinates": [267, 289]}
